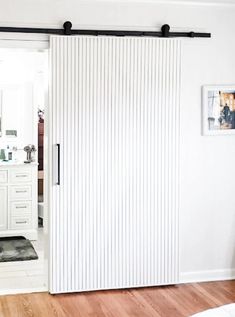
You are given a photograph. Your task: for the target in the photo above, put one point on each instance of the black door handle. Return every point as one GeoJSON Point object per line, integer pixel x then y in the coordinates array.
{"type": "Point", "coordinates": [58, 164]}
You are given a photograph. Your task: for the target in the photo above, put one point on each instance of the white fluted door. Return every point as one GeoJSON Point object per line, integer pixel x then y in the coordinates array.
{"type": "Point", "coordinates": [114, 112]}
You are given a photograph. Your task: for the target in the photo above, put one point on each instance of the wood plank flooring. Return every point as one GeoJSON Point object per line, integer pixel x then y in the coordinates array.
{"type": "Point", "coordinates": [174, 301]}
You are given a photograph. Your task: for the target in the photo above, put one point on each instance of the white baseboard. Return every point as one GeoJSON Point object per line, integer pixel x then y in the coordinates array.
{"type": "Point", "coordinates": [207, 276]}
{"type": "Point", "coordinates": [23, 291]}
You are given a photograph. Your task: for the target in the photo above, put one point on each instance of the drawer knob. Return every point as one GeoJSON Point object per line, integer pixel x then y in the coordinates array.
{"type": "Point", "coordinates": [21, 175]}
{"type": "Point", "coordinates": [21, 207]}
{"type": "Point", "coordinates": [21, 222]}
{"type": "Point", "coordinates": [21, 191]}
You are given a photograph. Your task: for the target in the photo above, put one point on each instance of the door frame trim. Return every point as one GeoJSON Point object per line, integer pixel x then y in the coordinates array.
{"type": "Point", "coordinates": [34, 42]}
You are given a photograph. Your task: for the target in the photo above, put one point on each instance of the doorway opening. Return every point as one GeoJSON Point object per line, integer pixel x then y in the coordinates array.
{"type": "Point", "coordinates": [23, 170]}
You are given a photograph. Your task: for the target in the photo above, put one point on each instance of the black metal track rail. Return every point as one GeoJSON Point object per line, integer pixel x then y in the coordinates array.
{"type": "Point", "coordinates": [67, 30]}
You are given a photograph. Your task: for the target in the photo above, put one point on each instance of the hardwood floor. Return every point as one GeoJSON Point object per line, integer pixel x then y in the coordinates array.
{"type": "Point", "coordinates": [174, 301]}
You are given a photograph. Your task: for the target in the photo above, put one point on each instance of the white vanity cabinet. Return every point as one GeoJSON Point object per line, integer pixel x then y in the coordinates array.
{"type": "Point", "coordinates": [18, 200]}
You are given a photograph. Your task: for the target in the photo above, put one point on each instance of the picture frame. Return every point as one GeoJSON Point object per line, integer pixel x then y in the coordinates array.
{"type": "Point", "coordinates": [218, 110]}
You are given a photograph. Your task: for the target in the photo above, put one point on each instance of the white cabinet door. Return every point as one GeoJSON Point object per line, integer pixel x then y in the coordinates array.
{"type": "Point", "coordinates": [3, 207]}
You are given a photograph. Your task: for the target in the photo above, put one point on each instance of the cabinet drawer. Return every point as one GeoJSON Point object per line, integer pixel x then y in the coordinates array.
{"type": "Point", "coordinates": [20, 223]}
{"type": "Point", "coordinates": [21, 176]}
{"type": "Point", "coordinates": [18, 207]}
{"type": "Point", "coordinates": [3, 177]}
{"type": "Point", "coordinates": [20, 192]}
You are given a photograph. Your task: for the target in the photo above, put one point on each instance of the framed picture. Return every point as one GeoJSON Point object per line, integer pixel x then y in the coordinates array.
{"type": "Point", "coordinates": [218, 110]}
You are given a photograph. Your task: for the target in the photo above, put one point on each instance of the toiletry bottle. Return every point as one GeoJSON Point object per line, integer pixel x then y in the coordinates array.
{"type": "Point", "coordinates": [9, 154]}
{"type": "Point", "coordinates": [14, 153]}
{"type": "Point", "coordinates": [6, 153]}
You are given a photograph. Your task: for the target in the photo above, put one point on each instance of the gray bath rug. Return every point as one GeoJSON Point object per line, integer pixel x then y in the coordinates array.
{"type": "Point", "coordinates": [16, 249]}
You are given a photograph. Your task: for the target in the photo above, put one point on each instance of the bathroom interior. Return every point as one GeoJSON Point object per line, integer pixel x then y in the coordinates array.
{"type": "Point", "coordinates": [23, 212]}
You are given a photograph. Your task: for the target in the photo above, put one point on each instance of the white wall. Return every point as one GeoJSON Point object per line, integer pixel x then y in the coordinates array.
{"type": "Point", "coordinates": [207, 194]}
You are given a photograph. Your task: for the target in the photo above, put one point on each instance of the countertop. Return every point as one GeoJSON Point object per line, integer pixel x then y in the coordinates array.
{"type": "Point", "coordinates": [16, 163]}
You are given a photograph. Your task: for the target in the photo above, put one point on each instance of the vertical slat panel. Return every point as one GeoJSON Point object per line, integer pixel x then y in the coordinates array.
{"type": "Point", "coordinates": [115, 111]}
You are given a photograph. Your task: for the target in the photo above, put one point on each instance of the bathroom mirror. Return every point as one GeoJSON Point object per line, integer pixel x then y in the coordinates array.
{"type": "Point", "coordinates": [19, 119]}
{"type": "Point", "coordinates": [18, 116]}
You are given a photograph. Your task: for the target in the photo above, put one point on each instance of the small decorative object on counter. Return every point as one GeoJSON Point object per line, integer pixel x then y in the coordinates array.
{"type": "Point", "coordinates": [30, 150]}
{"type": "Point", "coordinates": [8, 154]}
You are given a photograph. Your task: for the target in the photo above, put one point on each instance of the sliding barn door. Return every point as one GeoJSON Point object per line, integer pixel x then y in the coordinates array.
{"type": "Point", "coordinates": [114, 140]}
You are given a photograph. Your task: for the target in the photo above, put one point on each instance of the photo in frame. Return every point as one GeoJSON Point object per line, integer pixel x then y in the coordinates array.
{"type": "Point", "coordinates": [218, 110]}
